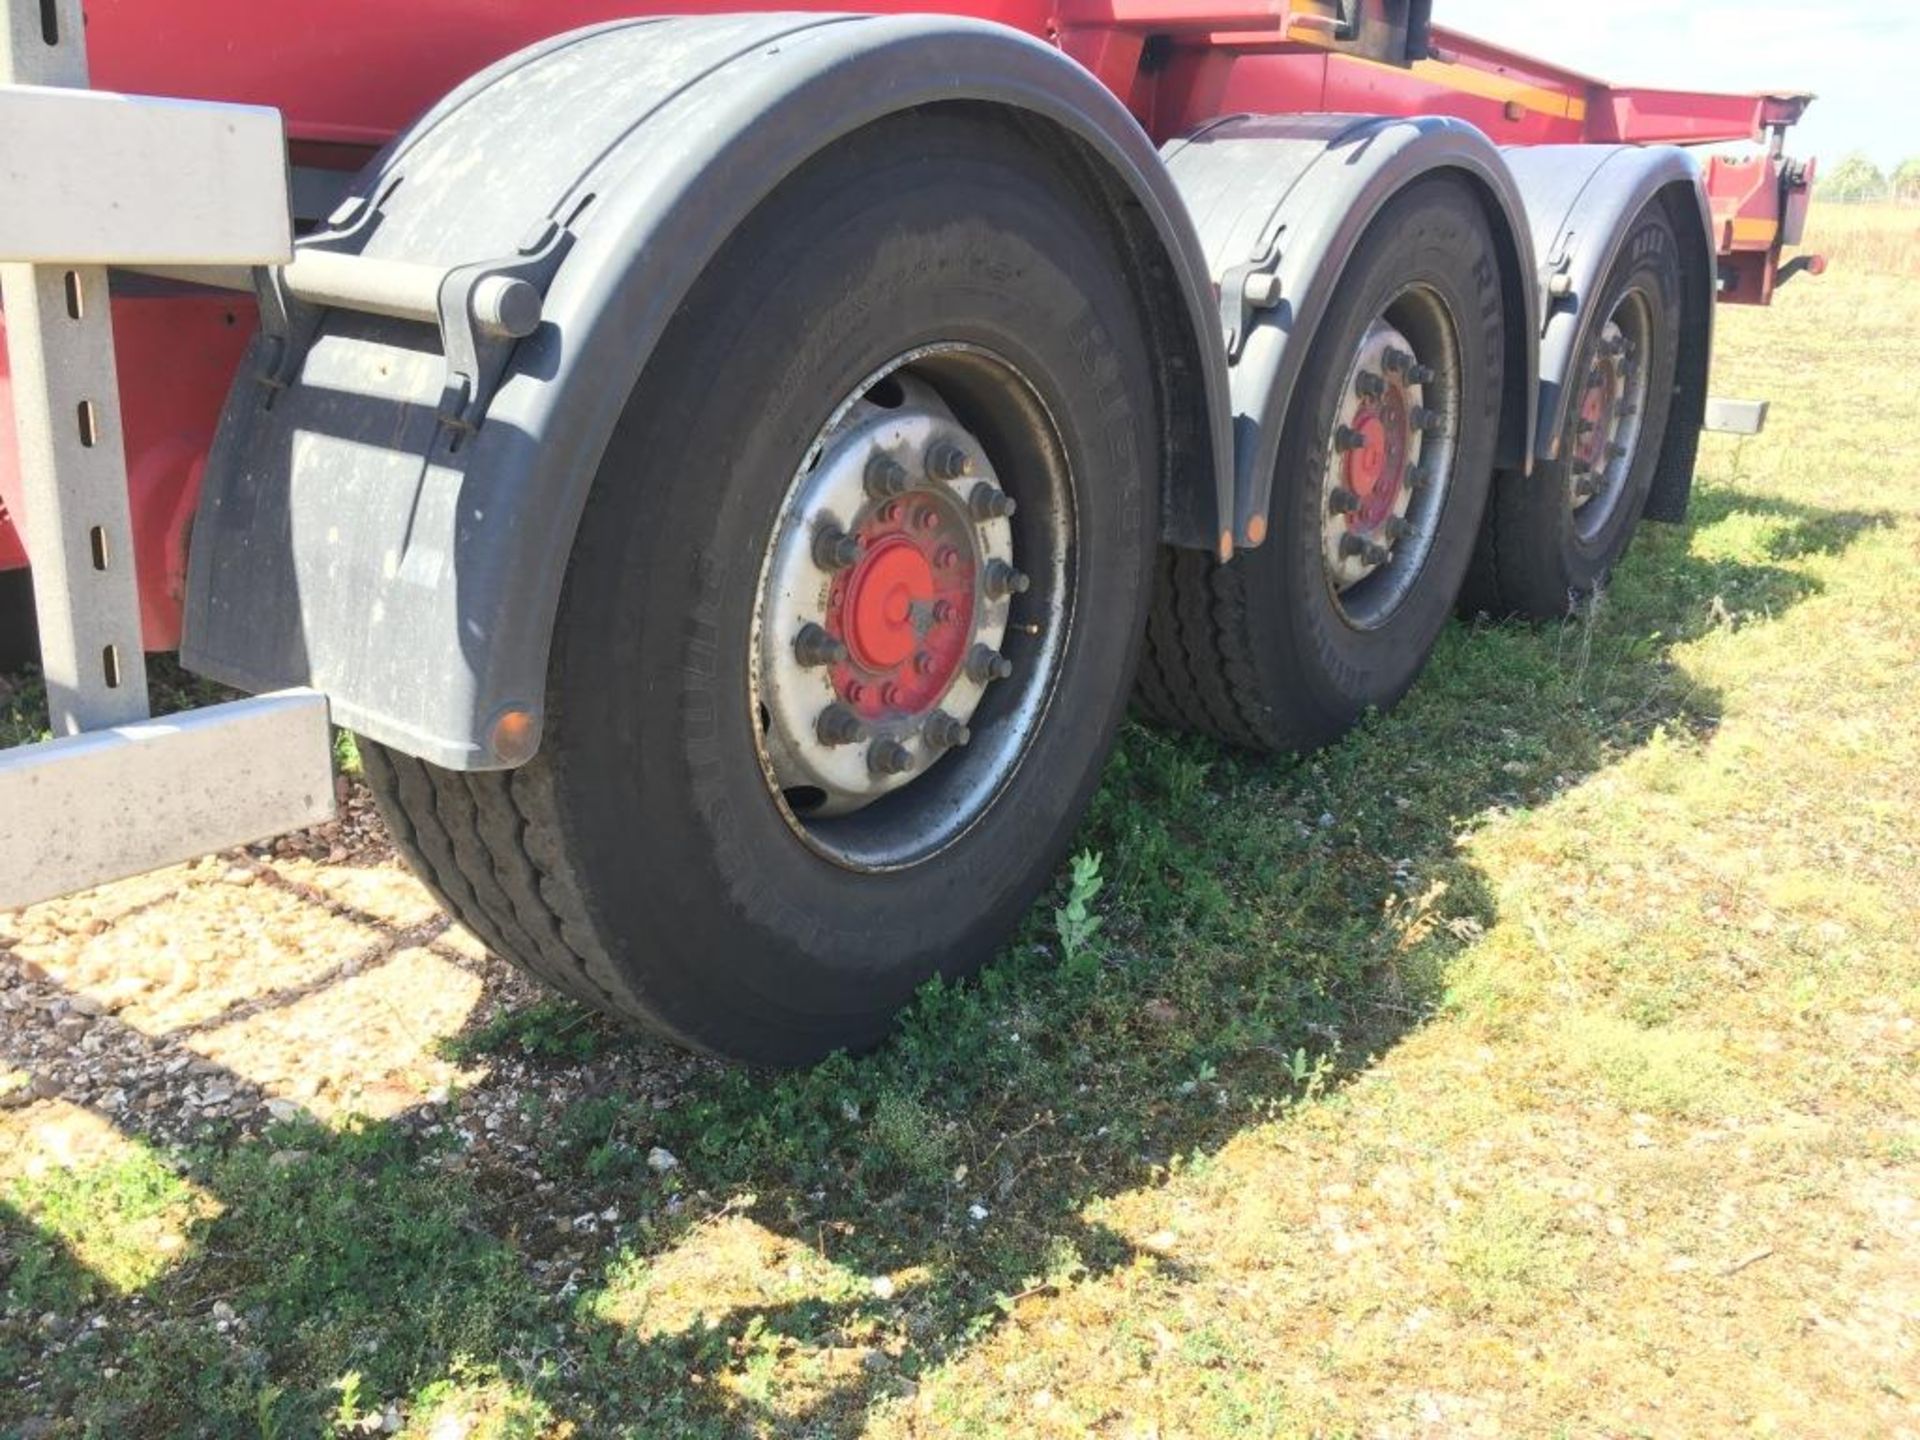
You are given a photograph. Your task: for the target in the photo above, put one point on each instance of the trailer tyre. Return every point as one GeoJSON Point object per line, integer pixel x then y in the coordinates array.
{"type": "Point", "coordinates": [851, 617]}
{"type": "Point", "coordinates": [1380, 486]}
{"type": "Point", "coordinates": [1552, 538]}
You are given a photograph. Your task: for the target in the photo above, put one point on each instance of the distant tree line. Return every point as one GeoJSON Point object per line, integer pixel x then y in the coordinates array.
{"type": "Point", "coordinates": [1858, 178]}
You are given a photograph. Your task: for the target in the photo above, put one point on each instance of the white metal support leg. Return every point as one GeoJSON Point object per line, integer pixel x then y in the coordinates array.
{"type": "Point", "coordinates": [86, 181]}
{"type": "Point", "coordinates": [66, 399]}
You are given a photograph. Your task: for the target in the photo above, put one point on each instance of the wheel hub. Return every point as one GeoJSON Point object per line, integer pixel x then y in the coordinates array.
{"type": "Point", "coordinates": [1606, 424]}
{"type": "Point", "coordinates": [1381, 451]}
{"type": "Point", "coordinates": [906, 608]}
{"type": "Point", "coordinates": [886, 602]}
{"type": "Point", "coordinates": [1377, 471]}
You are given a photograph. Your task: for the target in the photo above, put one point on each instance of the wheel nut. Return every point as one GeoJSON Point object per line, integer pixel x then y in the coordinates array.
{"type": "Point", "coordinates": [1583, 427]}
{"type": "Point", "coordinates": [1342, 501]}
{"type": "Point", "coordinates": [1420, 375]}
{"type": "Point", "coordinates": [947, 461]}
{"type": "Point", "coordinates": [1616, 452]}
{"type": "Point", "coordinates": [1584, 486]}
{"type": "Point", "coordinates": [1369, 386]}
{"type": "Point", "coordinates": [838, 725]}
{"type": "Point", "coordinates": [990, 502]}
{"type": "Point", "coordinates": [1367, 550]}
{"type": "Point", "coordinates": [1003, 580]}
{"type": "Point", "coordinates": [928, 519]}
{"type": "Point", "coordinates": [946, 557]}
{"type": "Point", "coordinates": [834, 548]}
{"type": "Point", "coordinates": [886, 477]}
{"type": "Point", "coordinates": [1345, 437]}
{"type": "Point", "coordinates": [923, 664]}
{"type": "Point", "coordinates": [1626, 410]}
{"type": "Point", "coordinates": [942, 611]}
{"type": "Point", "coordinates": [943, 732]}
{"type": "Point", "coordinates": [1395, 362]}
{"type": "Point", "coordinates": [814, 646]}
{"type": "Point", "coordinates": [1419, 476]}
{"type": "Point", "coordinates": [889, 757]}
{"type": "Point", "coordinates": [1397, 528]}
{"type": "Point", "coordinates": [984, 663]}
{"type": "Point", "coordinates": [890, 694]}
{"type": "Point", "coordinates": [1426, 421]}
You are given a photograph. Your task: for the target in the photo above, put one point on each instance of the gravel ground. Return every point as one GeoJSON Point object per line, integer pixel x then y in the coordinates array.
{"type": "Point", "coordinates": [306, 976]}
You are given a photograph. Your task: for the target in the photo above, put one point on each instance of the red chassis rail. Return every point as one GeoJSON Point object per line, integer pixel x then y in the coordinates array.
{"type": "Point", "coordinates": [349, 74]}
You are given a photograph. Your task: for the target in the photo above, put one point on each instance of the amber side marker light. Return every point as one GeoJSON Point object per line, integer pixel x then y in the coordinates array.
{"type": "Point", "coordinates": [514, 736]}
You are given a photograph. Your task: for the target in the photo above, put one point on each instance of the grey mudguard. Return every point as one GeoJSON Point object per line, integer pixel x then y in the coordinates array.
{"type": "Point", "coordinates": [1290, 196]}
{"type": "Point", "coordinates": [350, 540]}
{"type": "Point", "coordinates": [1582, 199]}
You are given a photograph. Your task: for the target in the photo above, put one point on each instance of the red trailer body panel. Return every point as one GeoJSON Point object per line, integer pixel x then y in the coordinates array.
{"type": "Point", "coordinates": [349, 74]}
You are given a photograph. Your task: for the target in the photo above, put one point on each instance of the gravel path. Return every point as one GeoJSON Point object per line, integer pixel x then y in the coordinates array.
{"type": "Point", "coordinates": [311, 975]}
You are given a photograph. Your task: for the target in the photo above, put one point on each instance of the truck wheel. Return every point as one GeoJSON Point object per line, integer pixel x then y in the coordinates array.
{"type": "Point", "coordinates": [1553, 537]}
{"type": "Point", "coordinates": [850, 619]}
{"type": "Point", "coordinates": [1381, 480]}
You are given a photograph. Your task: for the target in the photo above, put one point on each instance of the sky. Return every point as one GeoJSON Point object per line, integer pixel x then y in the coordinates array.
{"type": "Point", "coordinates": [1861, 57]}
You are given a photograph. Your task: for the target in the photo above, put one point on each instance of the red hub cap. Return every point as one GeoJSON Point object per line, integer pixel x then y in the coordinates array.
{"type": "Point", "coordinates": [1377, 470]}
{"type": "Point", "coordinates": [1596, 412]}
{"type": "Point", "coordinates": [905, 608]}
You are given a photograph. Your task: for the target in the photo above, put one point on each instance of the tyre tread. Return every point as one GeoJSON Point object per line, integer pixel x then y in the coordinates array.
{"type": "Point", "coordinates": [1203, 675]}
{"type": "Point", "coordinates": [486, 846]}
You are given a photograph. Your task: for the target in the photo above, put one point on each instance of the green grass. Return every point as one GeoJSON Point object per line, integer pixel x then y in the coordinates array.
{"type": "Point", "coordinates": [1444, 1079]}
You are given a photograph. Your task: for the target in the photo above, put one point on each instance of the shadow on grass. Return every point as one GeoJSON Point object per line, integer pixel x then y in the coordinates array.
{"type": "Point", "coordinates": [1269, 928]}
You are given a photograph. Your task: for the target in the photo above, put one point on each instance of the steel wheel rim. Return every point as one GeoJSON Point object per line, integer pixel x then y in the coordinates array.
{"type": "Point", "coordinates": [1390, 457]}
{"type": "Point", "coordinates": [1604, 429]}
{"type": "Point", "coordinates": [961, 425]}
